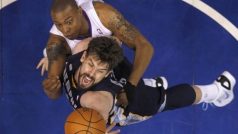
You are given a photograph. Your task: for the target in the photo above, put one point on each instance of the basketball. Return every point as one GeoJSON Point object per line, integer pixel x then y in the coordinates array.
{"type": "Point", "coordinates": [85, 121]}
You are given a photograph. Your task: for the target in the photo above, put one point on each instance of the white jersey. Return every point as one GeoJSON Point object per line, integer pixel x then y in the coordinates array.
{"type": "Point", "coordinates": [96, 26]}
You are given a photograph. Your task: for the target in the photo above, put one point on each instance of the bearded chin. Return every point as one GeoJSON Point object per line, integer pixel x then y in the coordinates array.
{"type": "Point", "coordinates": [83, 87]}
{"type": "Point", "coordinates": [81, 81]}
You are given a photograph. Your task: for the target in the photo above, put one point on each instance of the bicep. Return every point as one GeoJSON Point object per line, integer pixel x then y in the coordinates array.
{"type": "Point", "coordinates": [122, 29]}
{"type": "Point", "coordinates": [55, 39]}
{"type": "Point", "coordinates": [57, 45]}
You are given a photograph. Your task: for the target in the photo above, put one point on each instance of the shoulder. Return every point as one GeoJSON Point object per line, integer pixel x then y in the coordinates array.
{"type": "Point", "coordinates": [106, 13]}
{"type": "Point", "coordinates": [53, 38]}
{"type": "Point", "coordinates": [101, 6]}
{"type": "Point", "coordinates": [81, 46]}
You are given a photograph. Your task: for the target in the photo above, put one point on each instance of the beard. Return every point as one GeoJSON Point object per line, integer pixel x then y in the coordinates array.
{"type": "Point", "coordinates": [85, 81]}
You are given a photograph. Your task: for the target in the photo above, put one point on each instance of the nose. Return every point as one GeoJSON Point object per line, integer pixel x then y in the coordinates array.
{"type": "Point", "coordinates": [92, 72]}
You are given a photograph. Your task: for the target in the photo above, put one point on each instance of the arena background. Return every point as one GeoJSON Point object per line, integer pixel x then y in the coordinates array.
{"type": "Point", "coordinates": [189, 47]}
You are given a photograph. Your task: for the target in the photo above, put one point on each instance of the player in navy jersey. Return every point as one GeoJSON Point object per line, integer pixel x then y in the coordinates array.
{"type": "Point", "coordinates": [87, 71]}
{"type": "Point", "coordinates": [90, 82]}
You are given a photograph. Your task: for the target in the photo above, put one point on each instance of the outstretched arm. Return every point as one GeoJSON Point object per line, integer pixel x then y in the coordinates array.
{"type": "Point", "coordinates": [129, 35]}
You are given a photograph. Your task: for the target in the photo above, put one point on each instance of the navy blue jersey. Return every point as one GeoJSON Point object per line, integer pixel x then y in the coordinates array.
{"type": "Point", "coordinates": [73, 92]}
{"type": "Point", "coordinates": [147, 99]}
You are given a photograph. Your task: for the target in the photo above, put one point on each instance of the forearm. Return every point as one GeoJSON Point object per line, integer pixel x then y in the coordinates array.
{"type": "Point", "coordinates": [53, 94]}
{"type": "Point", "coordinates": [100, 101]}
{"type": "Point", "coordinates": [56, 67]}
{"type": "Point", "coordinates": [56, 55]}
{"type": "Point", "coordinates": [143, 55]}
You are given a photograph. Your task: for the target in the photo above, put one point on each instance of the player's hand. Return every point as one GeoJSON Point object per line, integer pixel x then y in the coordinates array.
{"type": "Point", "coordinates": [51, 84]}
{"type": "Point", "coordinates": [43, 64]}
{"type": "Point", "coordinates": [108, 131]}
{"type": "Point", "coordinates": [122, 99]}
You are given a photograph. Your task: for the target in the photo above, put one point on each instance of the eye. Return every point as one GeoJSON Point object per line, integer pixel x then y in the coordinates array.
{"type": "Point", "coordinates": [100, 71]}
{"type": "Point", "coordinates": [69, 22]}
{"type": "Point", "coordinates": [90, 64]}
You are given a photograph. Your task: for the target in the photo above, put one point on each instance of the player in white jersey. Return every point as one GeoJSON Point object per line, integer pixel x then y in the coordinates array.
{"type": "Point", "coordinates": [92, 19]}
{"type": "Point", "coordinates": [95, 25]}
{"type": "Point", "coordinates": [96, 28]}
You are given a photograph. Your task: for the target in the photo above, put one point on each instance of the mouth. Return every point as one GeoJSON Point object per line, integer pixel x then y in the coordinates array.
{"type": "Point", "coordinates": [70, 36]}
{"type": "Point", "coordinates": [86, 81]}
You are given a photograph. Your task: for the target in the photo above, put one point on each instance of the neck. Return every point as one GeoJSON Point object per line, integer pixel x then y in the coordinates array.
{"type": "Point", "coordinates": [85, 27]}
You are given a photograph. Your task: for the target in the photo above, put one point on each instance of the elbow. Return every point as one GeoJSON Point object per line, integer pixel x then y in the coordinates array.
{"type": "Point", "coordinates": [52, 96]}
{"type": "Point", "coordinates": [150, 49]}
{"type": "Point", "coordinates": [147, 49]}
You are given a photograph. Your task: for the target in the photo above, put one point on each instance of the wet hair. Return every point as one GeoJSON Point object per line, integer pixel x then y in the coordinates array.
{"type": "Point", "coordinates": [107, 50]}
{"type": "Point", "coordinates": [60, 5]}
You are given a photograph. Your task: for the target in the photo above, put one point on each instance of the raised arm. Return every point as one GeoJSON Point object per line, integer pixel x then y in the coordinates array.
{"type": "Point", "coordinates": [129, 35]}
{"type": "Point", "coordinates": [57, 50]}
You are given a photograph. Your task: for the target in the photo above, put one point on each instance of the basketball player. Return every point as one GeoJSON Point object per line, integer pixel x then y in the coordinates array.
{"type": "Point", "coordinates": [87, 84]}
{"type": "Point", "coordinates": [77, 20]}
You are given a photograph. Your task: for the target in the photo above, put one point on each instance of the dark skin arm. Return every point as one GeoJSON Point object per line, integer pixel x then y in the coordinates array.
{"type": "Point", "coordinates": [129, 35]}
{"type": "Point", "coordinates": [57, 49]}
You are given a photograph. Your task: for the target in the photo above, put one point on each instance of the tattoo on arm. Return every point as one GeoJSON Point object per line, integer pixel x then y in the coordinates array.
{"type": "Point", "coordinates": [54, 51]}
{"type": "Point", "coordinates": [126, 30]}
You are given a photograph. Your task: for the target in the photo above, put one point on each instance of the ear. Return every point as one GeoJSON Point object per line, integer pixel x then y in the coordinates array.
{"type": "Point", "coordinates": [83, 57]}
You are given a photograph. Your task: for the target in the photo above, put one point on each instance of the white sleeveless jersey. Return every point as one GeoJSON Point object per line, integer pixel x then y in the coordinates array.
{"type": "Point", "coordinates": [97, 28]}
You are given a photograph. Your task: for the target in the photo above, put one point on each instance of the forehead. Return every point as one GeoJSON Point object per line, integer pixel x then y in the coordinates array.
{"type": "Point", "coordinates": [97, 61]}
{"type": "Point", "coordinates": [69, 11]}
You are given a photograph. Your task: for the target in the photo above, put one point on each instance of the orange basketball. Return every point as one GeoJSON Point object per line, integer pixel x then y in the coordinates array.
{"type": "Point", "coordinates": [85, 121]}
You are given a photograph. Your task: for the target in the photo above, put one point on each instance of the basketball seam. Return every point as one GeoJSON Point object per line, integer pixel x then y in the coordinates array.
{"type": "Point", "coordinates": [71, 122]}
{"type": "Point", "coordinates": [89, 125]}
{"type": "Point", "coordinates": [86, 125]}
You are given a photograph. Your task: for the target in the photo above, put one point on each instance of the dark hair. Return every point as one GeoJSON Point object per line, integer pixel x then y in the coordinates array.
{"type": "Point", "coordinates": [60, 5]}
{"type": "Point", "coordinates": [107, 50]}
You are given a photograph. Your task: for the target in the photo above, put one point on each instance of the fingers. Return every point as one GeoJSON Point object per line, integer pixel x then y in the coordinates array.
{"type": "Point", "coordinates": [111, 127]}
{"type": "Point", "coordinates": [114, 132]}
{"type": "Point", "coordinates": [44, 64]}
{"type": "Point", "coordinates": [108, 131]}
{"type": "Point", "coordinates": [40, 63]}
{"type": "Point", "coordinates": [42, 69]}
